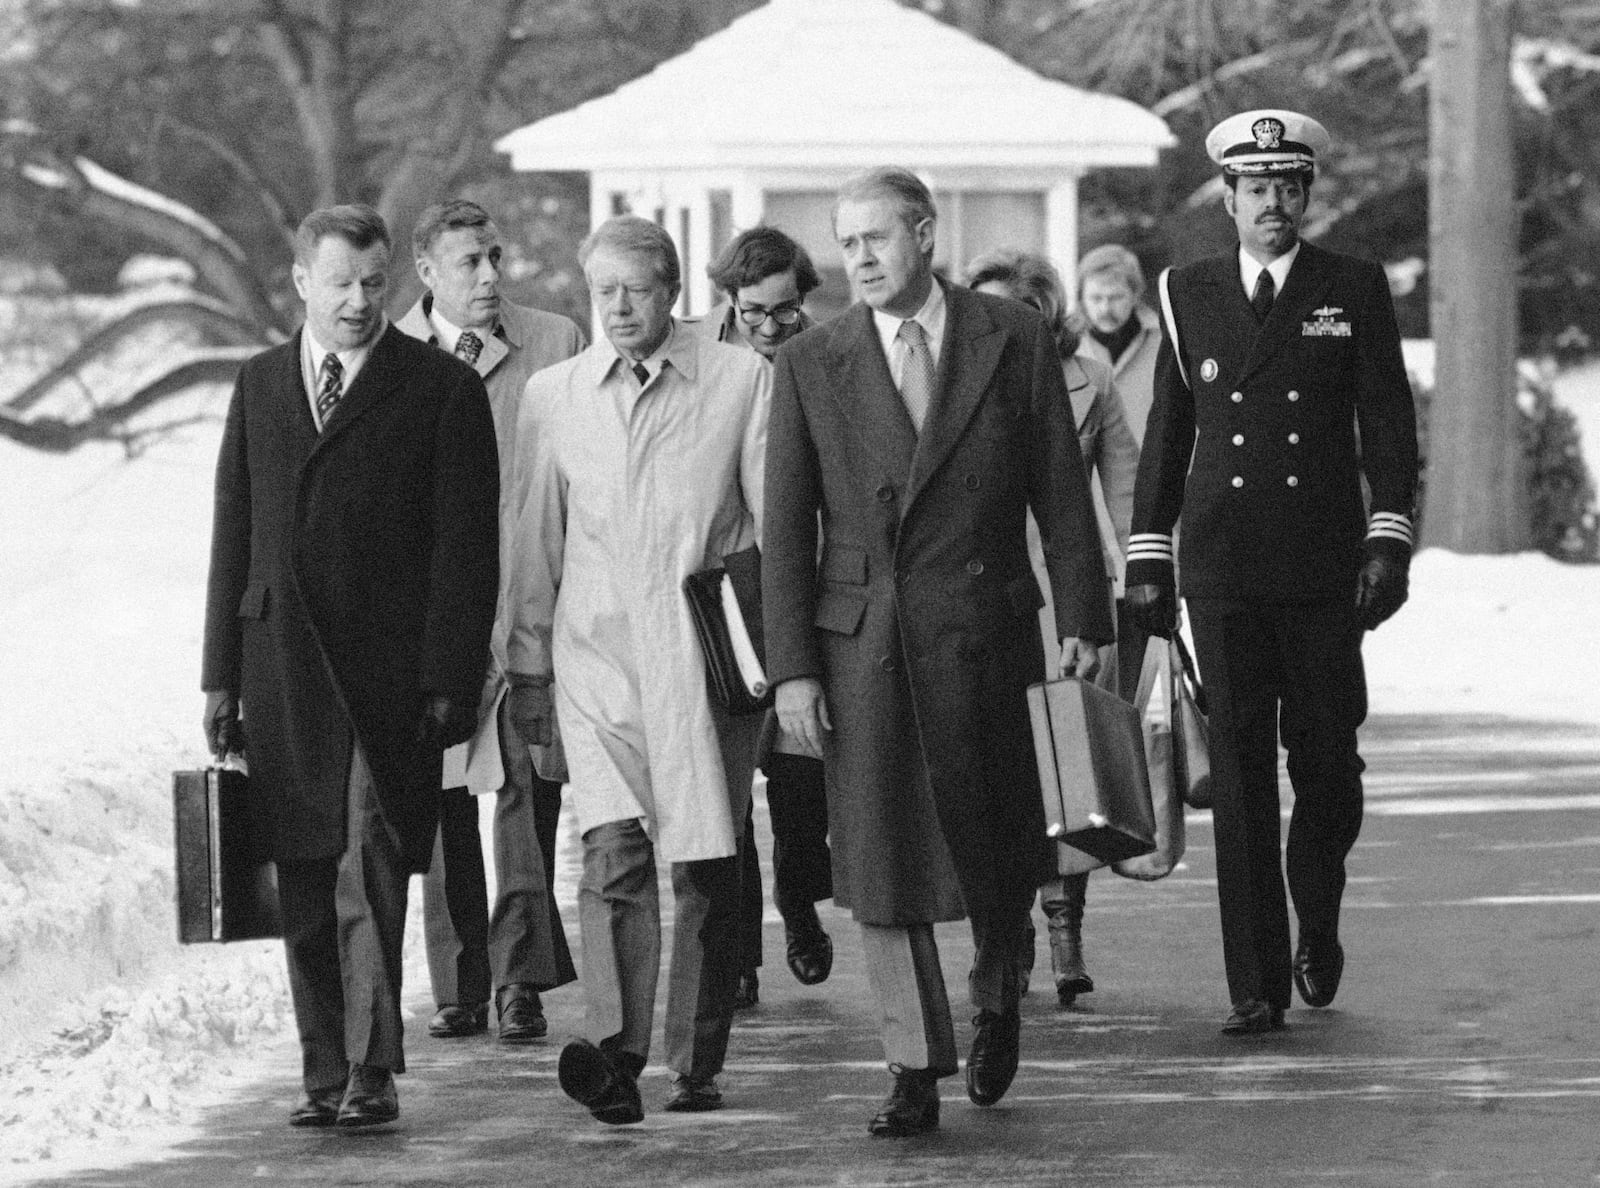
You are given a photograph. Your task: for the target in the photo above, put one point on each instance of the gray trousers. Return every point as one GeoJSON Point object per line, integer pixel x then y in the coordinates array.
{"type": "Point", "coordinates": [619, 913]}
{"type": "Point", "coordinates": [343, 922]}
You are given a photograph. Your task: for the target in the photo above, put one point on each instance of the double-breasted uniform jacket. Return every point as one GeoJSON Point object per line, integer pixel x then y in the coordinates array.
{"type": "Point", "coordinates": [353, 572]}
{"type": "Point", "coordinates": [919, 619]}
{"type": "Point", "coordinates": [1281, 419]}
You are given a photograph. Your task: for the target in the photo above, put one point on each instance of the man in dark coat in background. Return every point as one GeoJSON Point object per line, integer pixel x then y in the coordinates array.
{"type": "Point", "coordinates": [917, 430]}
{"type": "Point", "coordinates": [353, 578]}
{"type": "Point", "coordinates": [1279, 384]}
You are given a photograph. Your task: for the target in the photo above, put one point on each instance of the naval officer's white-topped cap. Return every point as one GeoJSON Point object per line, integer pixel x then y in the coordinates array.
{"type": "Point", "coordinates": [1267, 141]}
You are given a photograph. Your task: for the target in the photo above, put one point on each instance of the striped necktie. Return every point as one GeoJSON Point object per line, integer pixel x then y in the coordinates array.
{"type": "Point", "coordinates": [328, 395]}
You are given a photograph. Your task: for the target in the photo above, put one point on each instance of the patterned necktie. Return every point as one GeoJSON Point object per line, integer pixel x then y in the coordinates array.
{"type": "Point", "coordinates": [328, 395]}
{"type": "Point", "coordinates": [641, 373]}
{"type": "Point", "coordinates": [916, 381]}
{"type": "Point", "coordinates": [469, 346]}
{"type": "Point", "coordinates": [1261, 299]}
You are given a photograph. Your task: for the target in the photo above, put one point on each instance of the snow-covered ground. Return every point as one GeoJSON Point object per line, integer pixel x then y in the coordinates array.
{"type": "Point", "coordinates": [116, 1037]}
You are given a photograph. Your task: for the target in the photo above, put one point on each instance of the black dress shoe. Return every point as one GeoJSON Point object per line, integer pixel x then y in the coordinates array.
{"type": "Point", "coordinates": [369, 1098]}
{"type": "Point", "coordinates": [1318, 966]}
{"type": "Point", "coordinates": [600, 1082]}
{"type": "Point", "coordinates": [748, 992]}
{"type": "Point", "coordinates": [810, 948]}
{"type": "Point", "coordinates": [912, 1106]}
{"type": "Point", "coordinates": [992, 1063]}
{"type": "Point", "coordinates": [318, 1108]}
{"type": "Point", "coordinates": [693, 1095]}
{"type": "Point", "coordinates": [521, 1014]}
{"type": "Point", "coordinates": [1253, 1017]}
{"type": "Point", "coordinates": [457, 1022]}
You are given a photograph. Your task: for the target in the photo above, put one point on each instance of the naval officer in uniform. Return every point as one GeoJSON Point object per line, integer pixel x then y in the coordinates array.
{"type": "Point", "coordinates": [1280, 375]}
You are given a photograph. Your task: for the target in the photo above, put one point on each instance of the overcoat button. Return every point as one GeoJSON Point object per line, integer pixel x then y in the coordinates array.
{"type": "Point", "coordinates": [885, 493]}
{"type": "Point", "coordinates": [1237, 397]}
{"type": "Point", "coordinates": [886, 663]}
{"type": "Point", "coordinates": [974, 567]}
{"type": "Point", "coordinates": [1293, 482]}
{"type": "Point", "coordinates": [1238, 439]}
{"type": "Point", "coordinates": [1294, 439]}
{"type": "Point", "coordinates": [973, 482]}
{"type": "Point", "coordinates": [1238, 480]}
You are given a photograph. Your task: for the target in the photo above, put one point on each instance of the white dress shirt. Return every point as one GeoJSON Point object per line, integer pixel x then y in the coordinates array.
{"type": "Point", "coordinates": [930, 317]}
{"type": "Point", "coordinates": [1250, 268]}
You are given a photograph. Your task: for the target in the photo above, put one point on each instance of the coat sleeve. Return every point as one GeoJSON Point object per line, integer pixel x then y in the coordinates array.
{"type": "Point", "coordinates": [537, 537]}
{"type": "Point", "coordinates": [1163, 470]}
{"type": "Point", "coordinates": [1116, 461]}
{"type": "Point", "coordinates": [1058, 493]}
{"type": "Point", "coordinates": [1387, 419]}
{"type": "Point", "coordinates": [464, 576]}
{"type": "Point", "coordinates": [789, 544]}
{"type": "Point", "coordinates": [230, 551]}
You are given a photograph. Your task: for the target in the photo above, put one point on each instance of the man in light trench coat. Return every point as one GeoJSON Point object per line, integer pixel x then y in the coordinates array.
{"type": "Point", "coordinates": [922, 425]}
{"type": "Point", "coordinates": [639, 462]}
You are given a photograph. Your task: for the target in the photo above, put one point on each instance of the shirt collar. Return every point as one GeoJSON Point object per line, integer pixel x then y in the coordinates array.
{"type": "Point", "coordinates": [447, 333]}
{"type": "Point", "coordinates": [1250, 268]}
{"type": "Point", "coordinates": [351, 360]}
{"type": "Point", "coordinates": [678, 348]}
{"type": "Point", "coordinates": [930, 317]}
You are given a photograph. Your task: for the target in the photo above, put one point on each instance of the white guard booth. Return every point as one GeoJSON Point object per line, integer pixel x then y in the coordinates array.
{"type": "Point", "coordinates": [762, 120]}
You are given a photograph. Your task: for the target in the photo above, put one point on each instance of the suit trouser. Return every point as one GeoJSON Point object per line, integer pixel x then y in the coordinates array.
{"type": "Point", "coordinates": [802, 866]}
{"type": "Point", "coordinates": [343, 922]}
{"type": "Point", "coordinates": [1271, 670]}
{"type": "Point", "coordinates": [619, 913]}
{"type": "Point", "coordinates": [523, 941]}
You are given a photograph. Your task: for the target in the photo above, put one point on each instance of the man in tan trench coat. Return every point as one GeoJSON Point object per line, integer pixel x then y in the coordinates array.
{"type": "Point", "coordinates": [922, 425]}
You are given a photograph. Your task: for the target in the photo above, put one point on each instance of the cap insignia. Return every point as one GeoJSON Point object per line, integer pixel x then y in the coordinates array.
{"type": "Point", "coordinates": [1268, 133]}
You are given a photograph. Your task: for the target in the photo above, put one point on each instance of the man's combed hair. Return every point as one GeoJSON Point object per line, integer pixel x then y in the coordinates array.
{"type": "Point", "coordinates": [1032, 279]}
{"type": "Point", "coordinates": [900, 186]}
{"type": "Point", "coordinates": [757, 254]}
{"type": "Point", "coordinates": [632, 234]}
{"type": "Point", "coordinates": [445, 216]}
{"type": "Point", "coordinates": [358, 225]}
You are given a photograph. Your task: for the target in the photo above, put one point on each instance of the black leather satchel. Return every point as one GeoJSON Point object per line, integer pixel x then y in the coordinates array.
{"type": "Point", "coordinates": [227, 889]}
{"type": "Point", "coordinates": [725, 604]}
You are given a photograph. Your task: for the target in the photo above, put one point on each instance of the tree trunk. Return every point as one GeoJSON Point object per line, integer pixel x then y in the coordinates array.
{"type": "Point", "coordinates": [1477, 499]}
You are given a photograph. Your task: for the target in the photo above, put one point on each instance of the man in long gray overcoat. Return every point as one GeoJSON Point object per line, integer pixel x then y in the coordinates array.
{"type": "Point", "coordinates": [916, 430]}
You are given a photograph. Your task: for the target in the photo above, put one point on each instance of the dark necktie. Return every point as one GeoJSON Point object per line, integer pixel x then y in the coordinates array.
{"type": "Point", "coordinates": [1261, 299]}
{"type": "Point", "coordinates": [328, 395]}
{"type": "Point", "coordinates": [916, 381]}
{"type": "Point", "coordinates": [469, 346]}
{"type": "Point", "coordinates": [641, 373]}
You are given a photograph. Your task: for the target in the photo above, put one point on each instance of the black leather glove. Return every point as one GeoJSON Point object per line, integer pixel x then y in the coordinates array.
{"type": "Point", "coordinates": [1382, 586]}
{"type": "Point", "coordinates": [1153, 608]}
{"type": "Point", "coordinates": [533, 710]}
{"type": "Point", "coordinates": [224, 730]}
{"type": "Point", "coordinates": [444, 723]}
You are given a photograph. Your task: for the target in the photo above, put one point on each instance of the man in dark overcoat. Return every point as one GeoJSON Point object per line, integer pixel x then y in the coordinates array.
{"type": "Point", "coordinates": [352, 589]}
{"type": "Point", "coordinates": [1279, 384]}
{"type": "Point", "coordinates": [916, 431]}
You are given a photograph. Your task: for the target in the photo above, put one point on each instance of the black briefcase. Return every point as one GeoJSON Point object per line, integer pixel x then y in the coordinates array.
{"type": "Point", "coordinates": [725, 604]}
{"type": "Point", "coordinates": [227, 888]}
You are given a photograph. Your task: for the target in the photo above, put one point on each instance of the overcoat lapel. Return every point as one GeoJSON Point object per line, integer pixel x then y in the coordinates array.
{"type": "Point", "coordinates": [288, 388]}
{"type": "Point", "coordinates": [1308, 281]}
{"type": "Point", "coordinates": [865, 393]}
{"type": "Point", "coordinates": [971, 351]}
{"type": "Point", "coordinates": [494, 350]}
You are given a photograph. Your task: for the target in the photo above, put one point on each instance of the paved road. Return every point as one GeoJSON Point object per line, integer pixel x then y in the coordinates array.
{"type": "Point", "coordinates": [1464, 1048]}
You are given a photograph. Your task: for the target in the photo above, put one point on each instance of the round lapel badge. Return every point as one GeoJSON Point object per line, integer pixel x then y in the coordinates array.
{"type": "Point", "coordinates": [1208, 370]}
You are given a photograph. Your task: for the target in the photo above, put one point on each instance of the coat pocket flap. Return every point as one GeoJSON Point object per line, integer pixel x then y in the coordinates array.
{"type": "Point", "coordinates": [1024, 595]}
{"type": "Point", "coordinates": [842, 563]}
{"type": "Point", "coordinates": [840, 613]}
{"type": "Point", "coordinates": [253, 603]}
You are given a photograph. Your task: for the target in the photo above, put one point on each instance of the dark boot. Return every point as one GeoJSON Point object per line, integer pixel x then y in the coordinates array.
{"type": "Point", "coordinates": [1066, 938]}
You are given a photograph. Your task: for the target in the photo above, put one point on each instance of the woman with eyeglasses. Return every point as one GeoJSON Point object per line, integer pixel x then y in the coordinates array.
{"type": "Point", "coordinates": [1110, 452]}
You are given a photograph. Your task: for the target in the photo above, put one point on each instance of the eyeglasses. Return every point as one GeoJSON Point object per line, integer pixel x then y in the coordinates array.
{"type": "Point", "coordinates": [755, 315]}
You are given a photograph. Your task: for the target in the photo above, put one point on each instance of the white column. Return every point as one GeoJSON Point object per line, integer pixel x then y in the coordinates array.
{"type": "Point", "coordinates": [748, 204]}
{"type": "Point", "coordinates": [697, 253]}
{"type": "Point", "coordinates": [601, 187]}
{"type": "Point", "coordinates": [1061, 230]}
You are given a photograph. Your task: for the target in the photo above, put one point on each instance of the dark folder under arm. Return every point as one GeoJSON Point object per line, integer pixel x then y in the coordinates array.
{"type": "Point", "coordinates": [725, 604]}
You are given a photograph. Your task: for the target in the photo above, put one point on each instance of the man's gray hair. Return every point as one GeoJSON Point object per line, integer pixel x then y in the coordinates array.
{"type": "Point", "coordinates": [630, 233]}
{"type": "Point", "coordinates": [900, 186]}
{"type": "Point", "coordinates": [358, 225]}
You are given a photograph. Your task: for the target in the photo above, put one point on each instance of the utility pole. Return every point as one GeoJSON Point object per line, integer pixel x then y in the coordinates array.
{"type": "Point", "coordinates": [1476, 497]}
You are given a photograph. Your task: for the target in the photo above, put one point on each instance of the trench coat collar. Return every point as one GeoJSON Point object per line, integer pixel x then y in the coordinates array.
{"type": "Point", "coordinates": [681, 349]}
{"type": "Point", "coordinates": [508, 333]}
{"type": "Point", "coordinates": [971, 351]}
{"type": "Point", "coordinates": [864, 390]}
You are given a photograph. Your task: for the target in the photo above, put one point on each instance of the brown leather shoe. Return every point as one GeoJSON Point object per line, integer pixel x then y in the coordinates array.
{"type": "Point", "coordinates": [369, 1098]}
{"type": "Point", "coordinates": [457, 1022]}
{"type": "Point", "coordinates": [1253, 1017]}
{"type": "Point", "coordinates": [1318, 966]}
{"type": "Point", "coordinates": [693, 1095]}
{"type": "Point", "coordinates": [521, 1014]}
{"type": "Point", "coordinates": [318, 1107]}
{"type": "Point", "coordinates": [992, 1063]}
{"type": "Point", "coordinates": [912, 1106]}
{"type": "Point", "coordinates": [603, 1084]}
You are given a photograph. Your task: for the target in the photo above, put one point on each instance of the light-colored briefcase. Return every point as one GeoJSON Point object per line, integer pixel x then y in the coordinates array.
{"type": "Point", "coordinates": [1092, 771]}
